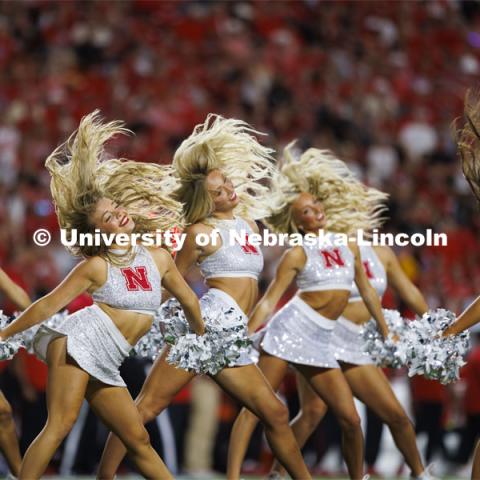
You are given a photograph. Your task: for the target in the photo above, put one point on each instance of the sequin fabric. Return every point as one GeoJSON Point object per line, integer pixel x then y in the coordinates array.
{"type": "Point", "coordinates": [224, 344]}
{"type": "Point", "coordinates": [137, 286]}
{"type": "Point", "coordinates": [327, 268]}
{"type": "Point", "coordinates": [233, 259]}
{"type": "Point", "coordinates": [9, 348]}
{"type": "Point", "coordinates": [93, 341]}
{"type": "Point", "coordinates": [375, 271]}
{"type": "Point", "coordinates": [348, 343]}
{"type": "Point", "coordinates": [294, 334]}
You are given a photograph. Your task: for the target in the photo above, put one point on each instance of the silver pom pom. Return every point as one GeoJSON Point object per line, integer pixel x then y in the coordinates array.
{"type": "Point", "coordinates": [224, 340]}
{"type": "Point", "coordinates": [386, 353]}
{"type": "Point", "coordinates": [429, 354]}
{"type": "Point", "coordinates": [10, 347]}
{"type": "Point", "coordinates": [150, 345]}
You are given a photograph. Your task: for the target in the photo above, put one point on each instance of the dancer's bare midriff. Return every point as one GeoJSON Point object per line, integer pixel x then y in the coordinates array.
{"type": "Point", "coordinates": [243, 290]}
{"type": "Point", "coordinates": [357, 312]}
{"type": "Point", "coordinates": [132, 325]}
{"type": "Point", "coordinates": [328, 303]}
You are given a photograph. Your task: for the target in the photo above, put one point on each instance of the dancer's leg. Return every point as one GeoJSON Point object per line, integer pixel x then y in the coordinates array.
{"type": "Point", "coordinates": [162, 384]}
{"type": "Point", "coordinates": [67, 384]}
{"type": "Point", "coordinates": [249, 386]}
{"type": "Point", "coordinates": [8, 437]}
{"type": "Point", "coordinates": [332, 387]}
{"type": "Point", "coordinates": [274, 370]}
{"type": "Point", "coordinates": [116, 409]}
{"type": "Point", "coordinates": [370, 386]}
{"type": "Point", "coordinates": [312, 410]}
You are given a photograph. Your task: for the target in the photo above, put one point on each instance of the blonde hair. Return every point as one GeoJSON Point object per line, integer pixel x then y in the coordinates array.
{"type": "Point", "coordinates": [468, 141]}
{"type": "Point", "coordinates": [349, 205]}
{"type": "Point", "coordinates": [227, 145]}
{"type": "Point", "coordinates": [80, 177]}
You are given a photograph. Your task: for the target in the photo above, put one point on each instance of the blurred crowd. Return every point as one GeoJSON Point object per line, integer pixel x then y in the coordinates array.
{"type": "Point", "coordinates": [379, 83]}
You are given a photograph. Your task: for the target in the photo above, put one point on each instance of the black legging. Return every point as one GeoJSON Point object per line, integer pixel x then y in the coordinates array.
{"type": "Point", "coordinates": [428, 416]}
{"type": "Point", "coordinates": [373, 438]}
{"type": "Point", "coordinates": [470, 434]}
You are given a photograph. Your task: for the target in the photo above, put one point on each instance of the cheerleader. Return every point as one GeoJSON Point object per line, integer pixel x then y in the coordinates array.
{"type": "Point", "coordinates": [367, 381]}
{"type": "Point", "coordinates": [468, 145]}
{"type": "Point", "coordinates": [220, 166]}
{"type": "Point", "coordinates": [84, 352]}
{"type": "Point", "coordinates": [300, 333]}
{"type": "Point", "coordinates": [8, 435]}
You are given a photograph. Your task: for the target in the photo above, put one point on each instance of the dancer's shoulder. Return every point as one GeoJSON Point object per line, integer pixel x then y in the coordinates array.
{"type": "Point", "coordinates": [196, 228]}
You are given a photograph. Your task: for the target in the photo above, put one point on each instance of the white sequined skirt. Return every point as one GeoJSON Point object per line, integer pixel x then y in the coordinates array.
{"type": "Point", "coordinates": [93, 341]}
{"type": "Point", "coordinates": [347, 343]}
{"type": "Point", "coordinates": [300, 335]}
{"type": "Point", "coordinates": [217, 300]}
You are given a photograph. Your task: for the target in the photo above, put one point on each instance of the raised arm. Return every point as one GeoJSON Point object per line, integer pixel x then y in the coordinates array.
{"type": "Point", "coordinates": [13, 291]}
{"type": "Point", "coordinates": [176, 285]}
{"type": "Point", "coordinates": [397, 278]}
{"type": "Point", "coordinates": [290, 264]}
{"type": "Point", "coordinates": [88, 274]}
{"type": "Point", "coordinates": [367, 292]}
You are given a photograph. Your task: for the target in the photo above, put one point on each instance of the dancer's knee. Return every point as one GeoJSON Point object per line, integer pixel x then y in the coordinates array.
{"type": "Point", "coordinates": [312, 413]}
{"type": "Point", "coordinates": [350, 422]}
{"type": "Point", "coordinates": [150, 407]}
{"type": "Point", "coordinates": [275, 414]}
{"type": "Point", "coordinates": [397, 419]}
{"type": "Point", "coordinates": [60, 426]}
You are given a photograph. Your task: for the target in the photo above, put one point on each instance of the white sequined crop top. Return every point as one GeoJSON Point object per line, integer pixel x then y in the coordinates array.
{"type": "Point", "coordinates": [233, 259]}
{"type": "Point", "coordinates": [327, 268]}
{"type": "Point", "coordinates": [135, 287]}
{"type": "Point", "coordinates": [375, 272]}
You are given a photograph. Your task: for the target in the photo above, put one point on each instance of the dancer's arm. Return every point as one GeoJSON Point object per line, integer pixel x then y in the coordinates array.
{"type": "Point", "coordinates": [290, 264]}
{"type": "Point", "coordinates": [178, 287]}
{"type": "Point", "coordinates": [397, 278]}
{"type": "Point", "coordinates": [13, 291]}
{"type": "Point", "coordinates": [190, 252]}
{"type": "Point", "coordinates": [368, 293]}
{"type": "Point", "coordinates": [86, 275]}
{"type": "Point", "coordinates": [468, 318]}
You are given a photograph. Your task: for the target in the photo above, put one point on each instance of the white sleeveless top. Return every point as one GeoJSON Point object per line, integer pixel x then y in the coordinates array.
{"type": "Point", "coordinates": [375, 272]}
{"type": "Point", "coordinates": [233, 259]}
{"type": "Point", "coordinates": [327, 268]}
{"type": "Point", "coordinates": [135, 287]}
